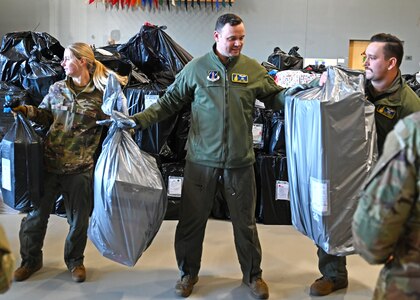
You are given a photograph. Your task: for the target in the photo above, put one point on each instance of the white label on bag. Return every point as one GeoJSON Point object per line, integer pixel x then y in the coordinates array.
{"type": "Point", "coordinates": [149, 100]}
{"type": "Point", "coordinates": [282, 190]}
{"type": "Point", "coordinates": [6, 181]}
{"type": "Point", "coordinates": [259, 104]}
{"type": "Point", "coordinates": [257, 133]}
{"type": "Point", "coordinates": [319, 190]}
{"type": "Point", "coordinates": [175, 186]}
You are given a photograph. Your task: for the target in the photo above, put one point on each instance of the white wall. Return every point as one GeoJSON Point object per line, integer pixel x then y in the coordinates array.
{"type": "Point", "coordinates": [321, 28]}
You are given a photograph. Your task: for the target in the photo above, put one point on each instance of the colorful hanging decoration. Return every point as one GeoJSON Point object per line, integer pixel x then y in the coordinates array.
{"type": "Point", "coordinates": [157, 4]}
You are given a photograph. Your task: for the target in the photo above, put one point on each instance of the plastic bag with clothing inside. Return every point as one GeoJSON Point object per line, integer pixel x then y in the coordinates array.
{"type": "Point", "coordinates": [129, 191]}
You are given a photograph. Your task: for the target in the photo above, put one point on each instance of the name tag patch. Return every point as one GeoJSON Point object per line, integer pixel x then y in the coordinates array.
{"type": "Point", "coordinates": [386, 111]}
{"type": "Point", "coordinates": [239, 78]}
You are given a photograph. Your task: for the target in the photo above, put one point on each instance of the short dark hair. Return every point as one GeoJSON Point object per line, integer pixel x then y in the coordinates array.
{"type": "Point", "coordinates": [230, 19]}
{"type": "Point", "coordinates": [393, 46]}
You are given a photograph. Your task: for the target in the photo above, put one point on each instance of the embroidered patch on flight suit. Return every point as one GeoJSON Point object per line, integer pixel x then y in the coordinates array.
{"type": "Point", "coordinates": [213, 76]}
{"type": "Point", "coordinates": [239, 78]}
{"type": "Point", "coordinates": [386, 111]}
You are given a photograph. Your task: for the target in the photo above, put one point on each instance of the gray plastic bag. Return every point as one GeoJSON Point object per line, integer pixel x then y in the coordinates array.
{"type": "Point", "coordinates": [331, 149]}
{"type": "Point", "coordinates": [129, 191]}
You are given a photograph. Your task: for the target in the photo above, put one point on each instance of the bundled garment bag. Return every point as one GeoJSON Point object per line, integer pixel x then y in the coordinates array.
{"type": "Point", "coordinates": [331, 148]}
{"type": "Point", "coordinates": [21, 166]}
{"type": "Point", "coordinates": [129, 192]}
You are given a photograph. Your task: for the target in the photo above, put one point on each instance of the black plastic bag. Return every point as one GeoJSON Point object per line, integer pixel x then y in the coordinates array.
{"type": "Point", "coordinates": [6, 117]}
{"type": "Point", "coordinates": [22, 166]}
{"type": "Point", "coordinates": [319, 69]}
{"type": "Point", "coordinates": [258, 128]}
{"type": "Point", "coordinates": [178, 137]}
{"type": "Point", "coordinates": [112, 59]}
{"type": "Point", "coordinates": [173, 175]}
{"type": "Point", "coordinates": [270, 67]}
{"type": "Point", "coordinates": [16, 47]}
{"type": "Point", "coordinates": [262, 129]}
{"type": "Point", "coordinates": [286, 61]}
{"type": "Point", "coordinates": [37, 74]}
{"type": "Point", "coordinates": [273, 205]}
{"type": "Point", "coordinates": [155, 53]}
{"type": "Point", "coordinates": [412, 82]}
{"type": "Point", "coordinates": [153, 139]}
{"type": "Point", "coordinates": [277, 144]}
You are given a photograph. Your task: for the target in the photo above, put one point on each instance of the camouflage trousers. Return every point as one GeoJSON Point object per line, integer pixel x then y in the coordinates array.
{"type": "Point", "coordinates": [78, 199]}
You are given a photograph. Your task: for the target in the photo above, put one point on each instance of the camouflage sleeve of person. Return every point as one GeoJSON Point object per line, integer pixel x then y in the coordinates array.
{"type": "Point", "coordinates": [41, 115]}
{"type": "Point", "coordinates": [7, 262]}
{"type": "Point", "coordinates": [58, 97]}
{"type": "Point", "coordinates": [387, 198]}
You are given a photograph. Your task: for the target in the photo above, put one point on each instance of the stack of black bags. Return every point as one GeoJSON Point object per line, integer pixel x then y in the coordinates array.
{"type": "Point", "coordinates": [29, 64]}
{"type": "Point", "coordinates": [273, 205]}
{"type": "Point", "coordinates": [156, 59]}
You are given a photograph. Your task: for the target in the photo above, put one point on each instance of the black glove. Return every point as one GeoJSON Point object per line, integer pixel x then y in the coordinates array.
{"type": "Point", "coordinates": [11, 102]}
{"type": "Point", "coordinates": [20, 109]}
{"type": "Point", "coordinates": [15, 106]}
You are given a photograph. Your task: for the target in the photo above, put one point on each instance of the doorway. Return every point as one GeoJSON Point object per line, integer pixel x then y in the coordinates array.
{"type": "Point", "coordinates": [356, 53]}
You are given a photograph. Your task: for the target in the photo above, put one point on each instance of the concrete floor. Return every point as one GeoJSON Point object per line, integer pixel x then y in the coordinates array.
{"type": "Point", "coordinates": [289, 267]}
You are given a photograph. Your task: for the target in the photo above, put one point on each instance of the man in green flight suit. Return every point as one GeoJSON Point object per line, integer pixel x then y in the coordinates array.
{"type": "Point", "coordinates": [393, 100]}
{"type": "Point", "coordinates": [221, 87]}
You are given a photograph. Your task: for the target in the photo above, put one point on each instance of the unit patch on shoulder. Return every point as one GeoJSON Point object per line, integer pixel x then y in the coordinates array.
{"type": "Point", "coordinates": [213, 76]}
{"type": "Point", "coordinates": [239, 78]}
{"type": "Point", "coordinates": [386, 111]}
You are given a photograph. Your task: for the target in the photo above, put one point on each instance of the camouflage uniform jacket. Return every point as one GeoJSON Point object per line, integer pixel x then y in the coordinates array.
{"type": "Point", "coordinates": [73, 134]}
{"type": "Point", "coordinates": [397, 102]}
{"type": "Point", "coordinates": [386, 224]}
{"type": "Point", "coordinates": [7, 262]}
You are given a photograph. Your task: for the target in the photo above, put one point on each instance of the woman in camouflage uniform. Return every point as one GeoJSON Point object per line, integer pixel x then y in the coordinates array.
{"type": "Point", "coordinates": [70, 111]}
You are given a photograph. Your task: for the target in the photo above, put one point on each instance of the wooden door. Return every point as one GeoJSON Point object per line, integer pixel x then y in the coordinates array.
{"type": "Point", "coordinates": [356, 54]}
